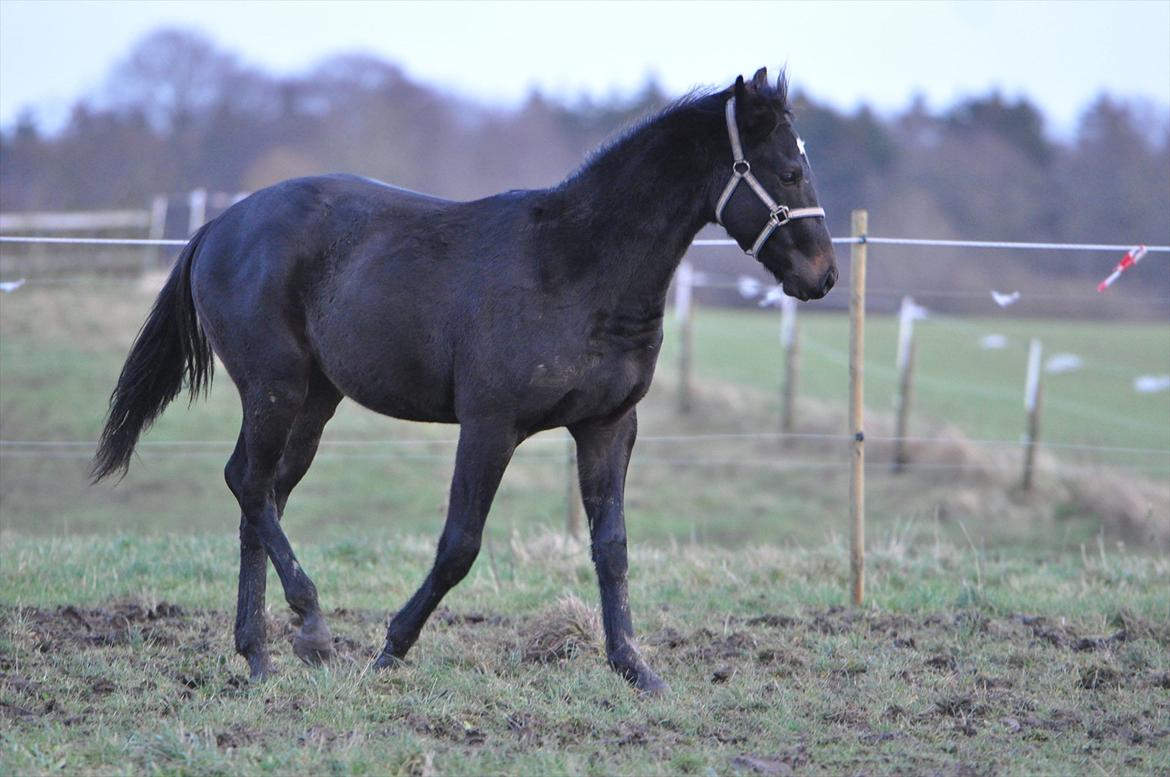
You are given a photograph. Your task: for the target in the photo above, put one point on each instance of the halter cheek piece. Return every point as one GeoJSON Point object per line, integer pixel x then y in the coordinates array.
{"type": "Point", "coordinates": [778, 215]}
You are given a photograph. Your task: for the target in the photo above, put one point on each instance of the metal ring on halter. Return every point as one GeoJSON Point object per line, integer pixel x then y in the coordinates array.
{"type": "Point", "coordinates": [747, 167]}
{"type": "Point", "coordinates": [779, 216]}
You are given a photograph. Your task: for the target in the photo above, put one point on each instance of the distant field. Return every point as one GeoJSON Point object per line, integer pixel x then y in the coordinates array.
{"type": "Point", "coordinates": [980, 391]}
{"type": "Point", "coordinates": [61, 349]}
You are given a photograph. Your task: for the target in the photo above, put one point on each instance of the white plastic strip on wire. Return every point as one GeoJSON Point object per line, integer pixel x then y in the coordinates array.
{"type": "Point", "coordinates": [911, 241]}
{"type": "Point", "coordinates": [91, 241]}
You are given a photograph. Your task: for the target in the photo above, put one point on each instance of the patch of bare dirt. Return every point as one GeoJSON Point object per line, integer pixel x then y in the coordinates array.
{"type": "Point", "coordinates": [774, 764]}
{"type": "Point", "coordinates": [1101, 677]}
{"type": "Point", "coordinates": [116, 624]}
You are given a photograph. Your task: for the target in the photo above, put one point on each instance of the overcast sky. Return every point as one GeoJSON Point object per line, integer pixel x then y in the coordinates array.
{"type": "Point", "coordinates": [1059, 54]}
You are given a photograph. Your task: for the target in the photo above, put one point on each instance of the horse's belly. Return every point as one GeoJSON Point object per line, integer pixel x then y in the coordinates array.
{"type": "Point", "coordinates": [408, 407]}
{"type": "Point", "coordinates": [392, 382]}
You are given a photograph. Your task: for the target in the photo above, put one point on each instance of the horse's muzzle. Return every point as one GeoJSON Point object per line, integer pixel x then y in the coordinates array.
{"type": "Point", "coordinates": [804, 290]}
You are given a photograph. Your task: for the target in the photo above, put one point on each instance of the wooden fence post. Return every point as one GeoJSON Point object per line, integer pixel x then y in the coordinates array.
{"type": "Point", "coordinates": [684, 310]}
{"type": "Point", "coordinates": [905, 394]}
{"type": "Point", "coordinates": [572, 492]}
{"type": "Point", "coordinates": [790, 342]}
{"type": "Point", "coordinates": [1033, 394]}
{"type": "Point", "coordinates": [856, 407]}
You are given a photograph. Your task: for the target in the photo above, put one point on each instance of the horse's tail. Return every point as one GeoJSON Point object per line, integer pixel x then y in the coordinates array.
{"type": "Point", "coordinates": [170, 350]}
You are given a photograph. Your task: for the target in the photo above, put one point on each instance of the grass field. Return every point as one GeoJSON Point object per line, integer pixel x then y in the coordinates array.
{"type": "Point", "coordinates": [959, 382]}
{"type": "Point", "coordinates": [115, 657]}
{"type": "Point", "coordinates": [1005, 632]}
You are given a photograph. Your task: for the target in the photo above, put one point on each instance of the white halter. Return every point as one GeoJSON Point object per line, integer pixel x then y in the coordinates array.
{"type": "Point", "coordinates": [741, 170]}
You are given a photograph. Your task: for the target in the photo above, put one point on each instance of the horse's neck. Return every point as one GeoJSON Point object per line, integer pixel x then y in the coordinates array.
{"type": "Point", "coordinates": [641, 209]}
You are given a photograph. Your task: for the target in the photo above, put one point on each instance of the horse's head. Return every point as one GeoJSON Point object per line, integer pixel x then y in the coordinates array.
{"type": "Point", "coordinates": [767, 201]}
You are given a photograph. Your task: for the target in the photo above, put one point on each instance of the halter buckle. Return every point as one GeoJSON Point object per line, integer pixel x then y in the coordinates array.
{"type": "Point", "coordinates": [779, 216]}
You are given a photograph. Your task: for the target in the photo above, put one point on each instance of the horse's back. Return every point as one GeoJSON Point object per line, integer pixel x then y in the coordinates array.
{"type": "Point", "coordinates": [278, 242]}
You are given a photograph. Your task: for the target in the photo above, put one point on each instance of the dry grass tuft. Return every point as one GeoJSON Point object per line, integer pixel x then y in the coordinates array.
{"type": "Point", "coordinates": [1133, 510]}
{"type": "Point", "coordinates": [567, 629]}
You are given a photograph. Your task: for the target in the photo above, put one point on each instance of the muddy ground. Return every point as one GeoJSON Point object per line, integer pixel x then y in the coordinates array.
{"type": "Point", "coordinates": [911, 691]}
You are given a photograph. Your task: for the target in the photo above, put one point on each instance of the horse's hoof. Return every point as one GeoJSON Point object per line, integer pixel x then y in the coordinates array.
{"type": "Point", "coordinates": [259, 668]}
{"type": "Point", "coordinates": [388, 661]}
{"type": "Point", "coordinates": [642, 677]}
{"type": "Point", "coordinates": [650, 684]}
{"type": "Point", "coordinates": [313, 643]}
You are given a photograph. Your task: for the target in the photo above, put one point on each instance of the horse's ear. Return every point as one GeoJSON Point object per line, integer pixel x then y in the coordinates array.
{"type": "Point", "coordinates": [756, 113]}
{"type": "Point", "coordinates": [760, 80]}
{"type": "Point", "coordinates": [782, 87]}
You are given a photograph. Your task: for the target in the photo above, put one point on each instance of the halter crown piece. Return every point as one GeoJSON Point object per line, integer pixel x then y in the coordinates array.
{"type": "Point", "coordinates": [741, 170]}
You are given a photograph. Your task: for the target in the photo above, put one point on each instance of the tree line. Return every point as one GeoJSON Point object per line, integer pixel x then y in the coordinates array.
{"type": "Point", "coordinates": [178, 112]}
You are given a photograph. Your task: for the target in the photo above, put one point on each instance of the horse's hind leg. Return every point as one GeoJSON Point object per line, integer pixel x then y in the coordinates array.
{"type": "Point", "coordinates": [271, 410]}
{"type": "Point", "coordinates": [483, 455]}
{"type": "Point", "coordinates": [251, 632]}
{"type": "Point", "coordinates": [313, 642]}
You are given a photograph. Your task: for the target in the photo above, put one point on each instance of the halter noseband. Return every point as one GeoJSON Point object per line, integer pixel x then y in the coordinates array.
{"type": "Point", "coordinates": [741, 170]}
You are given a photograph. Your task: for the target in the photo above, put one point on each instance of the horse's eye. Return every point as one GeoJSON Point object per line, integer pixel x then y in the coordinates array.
{"type": "Point", "coordinates": [791, 177]}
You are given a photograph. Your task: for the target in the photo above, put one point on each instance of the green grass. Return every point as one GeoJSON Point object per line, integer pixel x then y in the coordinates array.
{"type": "Point", "coordinates": [962, 662]}
{"type": "Point", "coordinates": [957, 381]}
{"type": "Point", "coordinates": [61, 350]}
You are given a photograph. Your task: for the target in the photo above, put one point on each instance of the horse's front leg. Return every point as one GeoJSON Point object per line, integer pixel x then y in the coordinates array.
{"type": "Point", "coordinates": [603, 454]}
{"type": "Point", "coordinates": [483, 454]}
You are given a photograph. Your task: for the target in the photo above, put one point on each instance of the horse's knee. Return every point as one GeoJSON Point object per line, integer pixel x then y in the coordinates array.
{"type": "Point", "coordinates": [456, 557]}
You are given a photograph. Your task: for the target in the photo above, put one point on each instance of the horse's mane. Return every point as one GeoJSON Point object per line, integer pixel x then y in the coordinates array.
{"type": "Point", "coordinates": [699, 104]}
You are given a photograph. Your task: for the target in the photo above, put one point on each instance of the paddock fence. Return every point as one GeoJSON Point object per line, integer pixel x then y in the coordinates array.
{"type": "Point", "coordinates": [845, 449]}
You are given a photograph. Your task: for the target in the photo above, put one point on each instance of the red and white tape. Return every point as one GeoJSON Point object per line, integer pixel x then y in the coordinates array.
{"type": "Point", "coordinates": [1131, 258]}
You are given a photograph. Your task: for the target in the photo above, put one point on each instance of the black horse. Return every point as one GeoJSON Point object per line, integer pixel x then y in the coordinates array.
{"type": "Point", "coordinates": [521, 312]}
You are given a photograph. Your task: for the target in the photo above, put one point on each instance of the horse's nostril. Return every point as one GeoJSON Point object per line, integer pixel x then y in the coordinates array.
{"type": "Point", "coordinates": [830, 279]}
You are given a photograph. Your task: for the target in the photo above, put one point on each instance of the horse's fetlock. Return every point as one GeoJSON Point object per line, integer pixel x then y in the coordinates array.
{"type": "Point", "coordinates": [248, 642]}
{"type": "Point", "coordinates": [398, 643]}
{"type": "Point", "coordinates": [303, 602]}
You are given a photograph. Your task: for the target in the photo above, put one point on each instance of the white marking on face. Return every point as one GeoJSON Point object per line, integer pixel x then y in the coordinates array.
{"type": "Point", "coordinates": [800, 146]}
